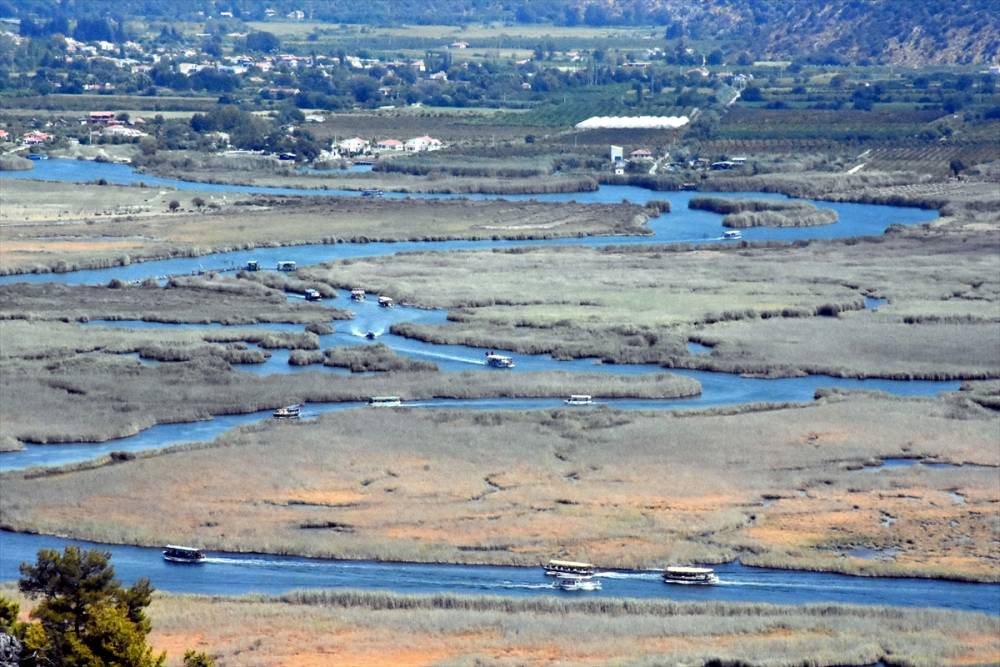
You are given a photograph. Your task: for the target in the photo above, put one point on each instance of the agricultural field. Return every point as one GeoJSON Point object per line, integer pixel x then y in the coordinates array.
{"type": "Point", "coordinates": [795, 486]}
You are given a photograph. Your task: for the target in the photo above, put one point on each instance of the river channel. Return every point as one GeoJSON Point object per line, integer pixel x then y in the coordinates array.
{"type": "Point", "coordinates": [234, 574]}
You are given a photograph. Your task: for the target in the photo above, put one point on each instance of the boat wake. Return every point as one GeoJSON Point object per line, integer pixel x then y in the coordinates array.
{"type": "Point", "coordinates": [628, 575]}
{"type": "Point", "coordinates": [438, 355]}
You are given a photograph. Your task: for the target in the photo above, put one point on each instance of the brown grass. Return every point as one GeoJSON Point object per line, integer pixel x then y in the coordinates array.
{"type": "Point", "coordinates": [454, 486]}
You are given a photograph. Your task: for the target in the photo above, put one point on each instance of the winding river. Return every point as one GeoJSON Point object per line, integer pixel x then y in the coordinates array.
{"type": "Point", "coordinates": [234, 574]}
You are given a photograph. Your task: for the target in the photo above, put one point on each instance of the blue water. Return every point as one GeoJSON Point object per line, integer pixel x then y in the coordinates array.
{"type": "Point", "coordinates": [681, 225]}
{"type": "Point", "coordinates": [235, 574]}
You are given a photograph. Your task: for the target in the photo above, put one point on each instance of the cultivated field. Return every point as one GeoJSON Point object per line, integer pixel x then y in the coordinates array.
{"type": "Point", "coordinates": [789, 487]}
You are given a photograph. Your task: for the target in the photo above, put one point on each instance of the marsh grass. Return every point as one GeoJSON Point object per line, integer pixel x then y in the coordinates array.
{"type": "Point", "coordinates": [386, 628]}
{"type": "Point", "coordinates": [615, 488]}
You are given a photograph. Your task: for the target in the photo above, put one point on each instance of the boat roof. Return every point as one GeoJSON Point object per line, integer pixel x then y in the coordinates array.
{"type": "Point", "coordinates": [569, 563]}
{"type": "Point", "coordinates": [175, 547]}
{"type": "Point", "coordinates": [690, 570]}
{"type": "Point", "coordinates": [384, 398]}
{"type": "Point", "coordinates": [579, 395]}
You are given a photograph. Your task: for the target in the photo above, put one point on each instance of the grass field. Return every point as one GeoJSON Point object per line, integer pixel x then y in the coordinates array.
{"type": "Point", "coordinates": [362, 628]}
{"type": "Point", "coordinates": [642, 304]}
{"type": "Point", "coordinates": [788, 488]}
{"type": "Point", "coordinates": [82, 240]}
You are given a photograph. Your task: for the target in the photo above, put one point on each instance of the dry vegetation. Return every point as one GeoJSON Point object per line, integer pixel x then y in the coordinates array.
{"type": "Point", "coordinates": [641, 304]}
{"type": "Point", "coordinates": [354, 628]}
{"type": "Point", "coordinates": [364, 628]}
{"type": "Point", "coordinates": [62, 382]}
{"type": "Point", "coordinates": [197, 300]}
{"type": "Point", "coordinates": [361, 359]}
{"type": "Point", "coordinates": [619, 489]}
{"type": "Point", "coordinates": [110, 241]}
{"type": "Point", "coordinates": [743, 213]}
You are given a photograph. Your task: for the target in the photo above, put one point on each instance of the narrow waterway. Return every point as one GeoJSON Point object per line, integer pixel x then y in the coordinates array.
{"type": "Point", "coordinates": [236, 574]}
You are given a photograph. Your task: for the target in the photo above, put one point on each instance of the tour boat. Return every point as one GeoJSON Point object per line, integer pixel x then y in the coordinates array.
{"type": "Point", "coordinates": [555, 568]}
{"type": "Point", "coordinates": [312, 295]}
{"type": "Point", "coordinates": [370, 335]}
{"type": "Point", "coordinates": [579, 399]}
{"type": "Point", "coordinates": [732, 235]}
{"type": "Point", "coordinates": [253, 265]}
{"type": "Point", "coordinates": [386, 302]}
{"type": "Point", "coordinates": [384, 402]}
{"type": "Point", "coordinates": [376, 194]}
{"type": "Point", "coordinates": [286, 265]}
{"type": "Point", "coordinates": [357, 294]}
{"type": "Point", "coordinates": [575, 582]}
{"type": "Point", "coordinates": [176, 554]}
{"type": "Point", "coordinates": [690, 575]}
{"type": "Point", "coordinates": [288, 412]}
{"type": "Point", "coordinates": [498, 360]}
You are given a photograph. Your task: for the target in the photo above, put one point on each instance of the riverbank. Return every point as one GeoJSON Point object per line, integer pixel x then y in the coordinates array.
{"type": "Point", "coordinates": [801, 489]}
{"type": "Point", "coordinates": [352, 627]}
{"type": "Point", "coordinates": [380, 628]}
{"type": "Point", "coordinates": [243, 222]}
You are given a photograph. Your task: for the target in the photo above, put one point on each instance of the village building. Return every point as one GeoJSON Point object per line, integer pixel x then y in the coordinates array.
{"type": "Point", "coordinates": [390, 145]}
{"type": "Point", "coordinates": [36, 137]}
{"type": "Point", "coordinates": [641, 154]}
{"type": "Point", "coordinates": [120, 131]}
{"type": "Point", "coordinates": [419, 144]}
{"type": "Point", "coordinates": [352, 146]}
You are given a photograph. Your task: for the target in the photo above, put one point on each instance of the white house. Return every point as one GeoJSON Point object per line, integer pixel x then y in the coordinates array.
{"type": "Point", "coordinates": [418, 144]}
{"type": "Point", "coordinates": [389, 145]}
{"type": "Point", "coordinates": [352, 146]}
{"type": "Point", "coordinates": [438, 76]}
{"type": "Point", "coordinates": [122, 131]}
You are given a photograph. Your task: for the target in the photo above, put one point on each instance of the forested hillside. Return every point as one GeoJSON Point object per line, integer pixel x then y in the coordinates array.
{"type": "Point", "coordinates": [908, 32]}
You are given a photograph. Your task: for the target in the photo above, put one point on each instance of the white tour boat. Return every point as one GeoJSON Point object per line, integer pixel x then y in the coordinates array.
{"type": "Point", "coordinates": [286, 265]}
{"type": "Point", "coordinates": [357, 294]}
{"type": "Point", "coordinates": [386, 302]}
{"type": "Point", "coordinates": [575, 582]}
{"type": "Point", "coordinates": [176, 554]}
{"type": "Point", "coordinates": [732, 235]}
{"type": "Point", "coordinates": [690, 575]}
{"type": "Point", "coordinates": [288, 412]}
{"type": "Point", "coordinates": [498, 360]}
{"type": "Point", "coordinates": [579, 399]}
{"type": "Point", "coordinates": [384, 402]}
{"type": "Point", "coordinates": [555, 568]}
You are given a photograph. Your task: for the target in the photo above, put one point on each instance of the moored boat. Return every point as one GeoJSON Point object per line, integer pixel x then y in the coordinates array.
{"type": "Point", "coordinates": [690, 575]}
{"type": "Point", "coordinates": [555, 568]}
{"type": "Point", "coordinates": [312, 295]}
{"type": "Point", "coordinates": [376, 194]}
{"type": "Point", "coordinates": [386, 302]}
{"type": "Point", "coordinates": [288, 412]}
{"type": "Point", "coordinates": [579, 399]}
{"type": "Point", "coordinates": [357, 294]}
{"type": "Point", "coordinates": [178, 554]}
{"type": "Point", "coordinates": [286, 265]}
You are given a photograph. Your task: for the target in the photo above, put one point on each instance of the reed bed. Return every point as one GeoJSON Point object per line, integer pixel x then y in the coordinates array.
{"type": "Point", "coordinates": [514, 487]}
